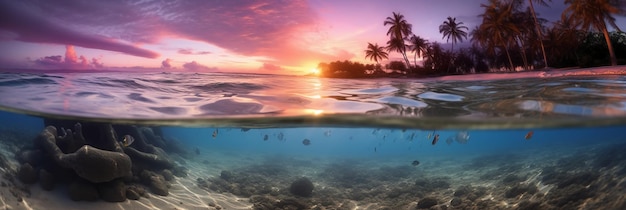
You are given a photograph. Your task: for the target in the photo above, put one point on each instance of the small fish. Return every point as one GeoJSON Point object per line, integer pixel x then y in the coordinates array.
{"type": "Point", "coordinates": [127, 140]}
{"type": "Point", "coordinates": [265, 137]}
{"type": "Point", "coordinates": [431, 134]}
{"type": "Point", "coordinates": [462, 137]}
{"type": "Point", "coordinates": [215, 132]}
{"type": "Point", "coordinates": [435, 139]}
{"type": "Point", "coordinates": [415, 163]}
{"type": "Point", "coordinates": [245, 129]}
{"type": "Point", "coordinates": [197, 150]}
{"type": "Point", "coordinates": [327, 133]}
{"type": "Point", "coordinates": [529, 135]}
{"type": "Point", "coordinates": [374, 149]}
{"type": "Point", "coordinates": [306, 142]}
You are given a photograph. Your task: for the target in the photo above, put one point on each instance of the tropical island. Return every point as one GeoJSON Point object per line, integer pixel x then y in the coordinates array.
{"type": "Point", "coordinates": [510, 38]}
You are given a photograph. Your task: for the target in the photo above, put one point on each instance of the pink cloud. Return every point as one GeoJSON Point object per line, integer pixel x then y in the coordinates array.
{"type": "Point", "coordinates": [249, 28]}
{"type": "Point", "coordinates": [271, 67]}
{"type": "Point", "coordinates": [191, 52]}
{"type": "Point", "coordinates": [167, 63]}
{"type": "Point", "coordinates": [71, 61]}
{"type": "Point", "coordinates": [96, 63]}
{"type": "Point", "coordinates": [50, 60]}
{"type": "Point", "coordinates": [342, 54]}
{"type": "Point", "coordinates": [70, 54]}
{"type": "Point", "coordinates": [254, 28]}
{"type": "Point", "coordinates": [194, 66]}
{"type": "Point", "coordinates": [32, 25]}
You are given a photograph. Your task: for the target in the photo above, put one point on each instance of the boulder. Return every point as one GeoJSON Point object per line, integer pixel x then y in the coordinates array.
{"type": "Point", "coordinates": [46, 180]}
{"type": "Point", "coordinates": [302, 187]}
{"type": "Point", "coordinates": [456, 202]}
{"type": "Point", "coordinates": [167, 174]}
{"type": "Point", "coordinates": [113, 191]}
{"type": "Point", "coordinates": [156, 182]}
{"type": "Point", "coordinates": [426, 203]}
{"type": "Point", "coordinates": [83, 191]}
{"type": "Point", "coordinates": [134, 192]}
{"type": "Point", "coordinates": [27, 174]}
{"type": "Point", "coordinates": [32, 157]}
{"type": "Point", "coordinates": [227, 175]}
{"type": "Point", "coordinates": [180, 171]}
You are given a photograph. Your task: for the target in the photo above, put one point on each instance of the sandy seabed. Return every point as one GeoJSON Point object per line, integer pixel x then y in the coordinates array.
{"type": "Point", "coordinates": [568, 178]}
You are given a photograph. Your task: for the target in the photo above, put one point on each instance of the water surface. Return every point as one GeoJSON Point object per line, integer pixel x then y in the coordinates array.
{"type": "Point", "coordinates": [535, 140]}
{"type": "Point", "coordinates": [531, 99]}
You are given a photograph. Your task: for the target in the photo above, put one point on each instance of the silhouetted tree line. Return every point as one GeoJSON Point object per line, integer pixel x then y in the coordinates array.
{"type": "Point", "coordinates": [510, 37]}
{"type": "Point", "coordinates": [349, 69]}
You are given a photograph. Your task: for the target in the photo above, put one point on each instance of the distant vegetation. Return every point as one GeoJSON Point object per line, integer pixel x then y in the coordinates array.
{"type": "Point", "coordinates": [510, 38]}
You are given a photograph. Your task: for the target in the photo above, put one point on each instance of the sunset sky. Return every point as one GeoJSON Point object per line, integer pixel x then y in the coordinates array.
{"type": "Point", "coordinates": [283, 37]}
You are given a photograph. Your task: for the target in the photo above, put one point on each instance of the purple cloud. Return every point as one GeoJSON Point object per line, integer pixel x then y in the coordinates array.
{"type": "Point", "coordinates": [71, 61]}
{"type": "Point", "coordinates": [194, 66]}
{"type": "Point", "coordinates": [166, 64]}
{"type": "Point", "coordinates": [254, 27]}
{"type": "Point", "coordinates": [270, 67]}
{"type": "Point", "coordinates": [191, 52]}
{"type": "Point", "coordinates": [54, 60]}
{"type": "Point", "coordinates": [32, 24]}
{"type": "Point", "coordinates": [96, 63]}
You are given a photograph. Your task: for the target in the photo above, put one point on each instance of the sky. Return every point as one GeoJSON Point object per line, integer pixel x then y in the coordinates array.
{"type": "Point", "coordinates": [277, 37]}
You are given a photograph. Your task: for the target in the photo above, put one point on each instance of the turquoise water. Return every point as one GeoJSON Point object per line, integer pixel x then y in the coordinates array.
{"type": "Point", "coordinates": [545, 140]}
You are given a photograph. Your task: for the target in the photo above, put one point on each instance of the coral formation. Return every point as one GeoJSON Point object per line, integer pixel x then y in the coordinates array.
{"type": "Point", "coordinates": [92, 162]}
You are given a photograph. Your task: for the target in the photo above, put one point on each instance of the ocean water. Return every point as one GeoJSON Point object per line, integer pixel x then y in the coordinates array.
{"type": "Point", "coordinates": [534, 140]}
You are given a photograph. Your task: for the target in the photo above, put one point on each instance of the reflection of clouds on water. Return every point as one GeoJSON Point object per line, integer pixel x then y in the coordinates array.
{"type": "Point", "coordinates": [425, 103]}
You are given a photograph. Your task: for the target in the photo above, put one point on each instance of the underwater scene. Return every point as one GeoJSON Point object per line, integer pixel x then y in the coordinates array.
{"type": "Point", "coordinates": [128, 141]}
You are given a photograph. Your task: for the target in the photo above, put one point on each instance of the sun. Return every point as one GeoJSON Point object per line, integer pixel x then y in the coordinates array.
{"type": "Point", "coordinates": [315, 71]}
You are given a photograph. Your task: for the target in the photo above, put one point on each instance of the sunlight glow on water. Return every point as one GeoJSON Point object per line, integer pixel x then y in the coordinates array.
{"type": "Point", "coordinates": [219, 98]}
{"type": "Point", "coordinates": [458, 143]}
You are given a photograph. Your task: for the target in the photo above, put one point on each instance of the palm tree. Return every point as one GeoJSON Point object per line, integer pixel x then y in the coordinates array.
{"type": "Point", "coordinates": [399, 30]}
{"type": "Point", "coordinates": [498, 26]}
{"type": "Point", "coordinates": [562, 41]}
{"type": "Point", "coordinates": [538, 28]}
{"type": "Point", "coordinates": [451, 29]}
{"type": "Point", "coordinates": [375, 52]}
{"type": "Point", "coordinates": [418, 46]}
{"type": "Point", "coordinates": [436, 58]}
{"type": "Point", "coordinates": [595, 14]}
{"type": "Point", "coordinates": [527, 36]}
{"type": "Point", "coordinates": [398, 45]}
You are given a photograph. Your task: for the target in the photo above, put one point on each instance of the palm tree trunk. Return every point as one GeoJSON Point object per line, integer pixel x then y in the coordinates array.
{"type": "Point", "coordinates": [415, 59]}
{"type": "Point", "coordinates": [608, 43]}
{"type": "Point", "coordinates": [406, 59]}
{"type": "Point", "coordinates": [543, 50]}
{"type": "Point", "coordinates": [523, 53]}
{"type": "Point", "coordinates": [451, 58]}
{"type": "Point", "coordinates": [506, 49]}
